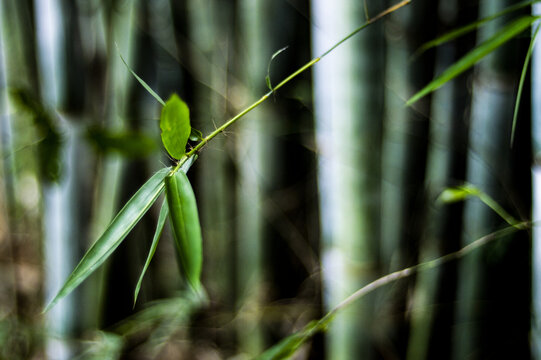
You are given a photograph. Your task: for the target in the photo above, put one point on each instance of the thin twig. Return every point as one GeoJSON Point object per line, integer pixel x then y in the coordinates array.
{"type": "Point", "coordinates": [286, 80]}
{"type": "Point", "coordinates": [321, 325]}
{"type": "Point", "coordinates": [404, 273]}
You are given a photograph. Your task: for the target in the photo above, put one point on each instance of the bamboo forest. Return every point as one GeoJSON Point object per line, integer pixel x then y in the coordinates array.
{"type": "Point", "coordinates": [270, 179]}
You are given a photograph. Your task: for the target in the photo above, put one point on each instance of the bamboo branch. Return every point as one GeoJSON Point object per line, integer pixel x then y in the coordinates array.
{"type": "Point", "coordinates": [302, 69]}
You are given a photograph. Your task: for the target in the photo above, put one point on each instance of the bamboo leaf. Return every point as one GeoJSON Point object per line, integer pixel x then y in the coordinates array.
{"type": "Point", "coordinates": [126, 143]}
{"type": "Point", "coordinates": [196, 135]}
{"type": "Point", "coordinates": [188, 163]}
{"type": "Point", "coordinates": [289, 345]}
{"type": "Point", "coordinates": [121, 225]}
{"type": "Point", "coordinates": [159, 317]}
{"type": "Point", "coordinates": [474, 56]}
{"type": "Point", "coordinates": [164, 212]}
{"type": "Point", "coordinates": [267, 78]}
{"type": "Point", "coordinates": [175, 126]}
{"type": "Point", "coordinates": [465, 191]}
{"type": "Point", "coordinates": [521, 82]}
{"type": "Point", "coordinates": [456, 33]}
{"type": "Point", "coordinates": [49, 147]}
{"type": "Point", "coordinates": [141, 81]}
{"type": "Point", "coordinates": [451, 195]}
{"type": "Point", "coordinates": [185, 225]}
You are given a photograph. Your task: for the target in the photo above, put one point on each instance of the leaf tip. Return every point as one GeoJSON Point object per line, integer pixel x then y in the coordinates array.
{"type": "Point", "coordinates": [50, 305]}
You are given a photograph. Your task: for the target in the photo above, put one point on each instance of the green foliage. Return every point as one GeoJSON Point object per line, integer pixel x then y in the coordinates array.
{"type": "Point", "coordinates": [173, 311]}
{"type": "Point", "coordinates": [466, 191]}
{"type": "Point", "coordinates": [456, 194]}
{"type": "Point", "coordinates": [196, 135]}
{"type": "Point", "coordinates": [470, 59]}
{"type": "Point", "coordinates": [521, 82]}
{"type": "Point", "coordinates": [156, 312]}
{"type": "Point", "coordinates": [157, 322]}
{"type": "Point", "coordinates": [456, 33]}
{"type": "Point", "coordinates": [127, 143]}
{"type": "Point", "coordinates": [105, 346]}
{"type": "Point", "coordinates": [181, 207]}
{"type": "Point", "coordinates": [141, 81]}
{"type": "Point", "coordinates": [175, 126]}
{"type": "Point", "coordinates": [121, 225]}
{"type": "Point", "coordinates": [185, 224]}
{"type": "Point", "coordinates": [267, 78]}
{"type": "Point", "coordinates": [164, 212]}
{"type": "Point", "coordinates": [50, 143]}
{"type": "Point", "coordinates": [289, 345]}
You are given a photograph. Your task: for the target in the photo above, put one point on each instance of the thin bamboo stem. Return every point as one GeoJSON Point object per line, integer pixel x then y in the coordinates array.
{"type": "Point", "coordinates": [302, 69]}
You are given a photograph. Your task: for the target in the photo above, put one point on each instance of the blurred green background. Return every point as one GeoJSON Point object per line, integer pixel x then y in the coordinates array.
{"type": "Point", "coordinates": [327, 186]}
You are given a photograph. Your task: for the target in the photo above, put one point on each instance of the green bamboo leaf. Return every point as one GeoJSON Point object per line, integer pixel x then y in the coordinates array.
{"type": "Point", "coordinates": [188, 163]}
{"type": "Point", "coordinates": [451, 195]}
{"type": "Point", "coordinates": [474, 56]}
{"type": "Point", "coordinates": [456, 33]}
{"type": "Point", "coordinates": [175, 126]}
{"type": "Point", "coordinates": [289, 345]}
{"type": "Point", "coordinates": [164, 212]}
{"type": "Point", "coordinates": [121, 225]}
{"type": "Point", "coordinates": [126, 143]}
{"type": "Point", "coordinates": [267, 78]}
{"type": "Point", "coordinates": [521, 82]}
{"type": "Point", "coordinates": [196, 135]}
{"type": "Point", "coordinates": [185, 225]}
{"type": "Point", "coordinates": [49, 147]}
{"type": "Point", "coordinates": [465, 191]}
{"type": "Point", "coordinates": [141, 81]}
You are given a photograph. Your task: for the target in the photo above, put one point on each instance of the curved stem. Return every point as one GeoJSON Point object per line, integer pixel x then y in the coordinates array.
{"type": "Point", "coordinates": [285, 81]}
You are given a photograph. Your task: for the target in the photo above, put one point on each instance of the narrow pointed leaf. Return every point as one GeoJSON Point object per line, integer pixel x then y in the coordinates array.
{"type": "Point", "coordinates": [121, 225]}
{"type": "Point", "coordinates": [188, 163]}
{"type": "Point", "coordinates": [286, 347]}
{"type": "Point", "coordinates": [267, 78]}
{"type": "Point", "coordinates": [164, 212]}
{"type": "Point", "coordinates": [521, 83]}
{"type": "Point", "coordinates": [289, 345]}
{"type": "Point", "coordinates": [456, 33]}
{"type": "Point", "coordinates": [460, 193]}
{"type": "Point", "coordinates": [474, 56]}
{"type": "Point", "coordinates": [175, 126]}
{"type": "Point", "coordinates": [185, 225]}
{"type": "Point", "coordinates": [141, 81]}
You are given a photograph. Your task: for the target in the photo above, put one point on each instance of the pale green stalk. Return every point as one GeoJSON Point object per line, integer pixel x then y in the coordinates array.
{"type": "Point", "coordinates": [286, 80]}
{"type": "Point", "coordinates": [286, 346]}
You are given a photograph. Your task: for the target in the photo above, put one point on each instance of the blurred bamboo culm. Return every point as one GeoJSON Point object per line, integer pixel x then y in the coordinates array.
{"type": "Point", "coordinates": [348, 96]}
{"type": "Point", "coordinates": [504, 173]}
{"type": "Point", "coordinates": [431, 326]}
{"type": "Point", "coordinates": [60, 221]}
{"type": "Point", "coordinates": [405, 143]}
{"type": "Point", "coordinates": [212, 34]}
